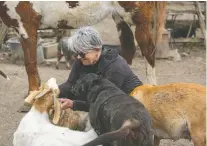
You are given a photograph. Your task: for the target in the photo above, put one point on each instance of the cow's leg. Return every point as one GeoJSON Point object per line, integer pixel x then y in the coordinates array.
{"type": "Point", "coordinates": [126, 38]}
{"type": "Point", "coordinates": [141, 14]}
{"type": "Point", "coordinates": [30, 61]}
{"type": "Point", "coordinates": [30, 21]}
{"type": "Point", "coordinates": [142, 18]}
{"type": "Point", "coordinates": [150, 74]}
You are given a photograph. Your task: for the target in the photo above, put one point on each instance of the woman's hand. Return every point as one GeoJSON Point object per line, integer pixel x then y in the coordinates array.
{"type": "Point", "coordinates": [66, 103]}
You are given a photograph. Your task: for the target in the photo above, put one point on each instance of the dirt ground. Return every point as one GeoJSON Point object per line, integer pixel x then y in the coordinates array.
{"type": "Point", "coordinates": [191, 69]}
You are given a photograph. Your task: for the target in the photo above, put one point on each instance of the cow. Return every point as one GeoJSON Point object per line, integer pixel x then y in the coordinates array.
{"type": "Point", "coordinates": [29, 16]}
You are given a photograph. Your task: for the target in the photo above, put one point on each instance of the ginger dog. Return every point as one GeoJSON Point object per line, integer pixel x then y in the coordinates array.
{"type": "Point", "coordinates": [178, 110]}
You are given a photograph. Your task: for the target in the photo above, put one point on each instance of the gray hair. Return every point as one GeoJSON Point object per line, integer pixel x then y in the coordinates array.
{"type": "Point", "coordinates": [85, 39]}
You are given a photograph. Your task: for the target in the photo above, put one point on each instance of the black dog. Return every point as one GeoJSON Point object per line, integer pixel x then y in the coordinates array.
{"type": "Point", "coordinates": [115, 116]}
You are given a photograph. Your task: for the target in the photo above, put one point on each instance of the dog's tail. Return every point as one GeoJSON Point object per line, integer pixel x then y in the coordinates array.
{"type": "Point", "coordinates": [115, 135]}
{"type": "Point", "coordinates": [4, 75]}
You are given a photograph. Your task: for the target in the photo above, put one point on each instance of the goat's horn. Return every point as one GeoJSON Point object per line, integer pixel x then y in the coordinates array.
{"type": "Point", "coordinates": [4, 75]}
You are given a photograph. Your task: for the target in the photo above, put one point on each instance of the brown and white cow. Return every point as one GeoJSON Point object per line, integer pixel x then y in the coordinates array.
{"type": "Point", "coordinates": [27, 17]}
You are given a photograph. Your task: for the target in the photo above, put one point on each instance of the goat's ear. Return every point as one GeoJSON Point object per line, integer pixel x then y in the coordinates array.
{"type": "Point", "coordinates": [57, 106]}
{"type": "Point", "coordinates": [42, 93]}
{"type": "Point", "coordinates": [30, 98]}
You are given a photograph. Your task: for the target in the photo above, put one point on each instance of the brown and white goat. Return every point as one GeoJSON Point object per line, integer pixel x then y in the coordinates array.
{"type": "Point", "coordinates": [178, 110]}
{"type": "Point", "coordinates": [74, 120]}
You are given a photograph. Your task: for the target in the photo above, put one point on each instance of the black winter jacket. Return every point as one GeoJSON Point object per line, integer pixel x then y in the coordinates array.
{"type": "Point", "coordinates": [110, 65]}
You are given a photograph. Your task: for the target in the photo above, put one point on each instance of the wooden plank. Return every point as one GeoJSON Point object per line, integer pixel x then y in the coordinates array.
{"type": "Point", "coordinates": [187, 40]}
{"type": "Point", "coordinates": [201, 19]}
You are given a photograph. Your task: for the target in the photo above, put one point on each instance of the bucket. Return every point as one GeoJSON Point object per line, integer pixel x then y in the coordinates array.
{"type": "Point", "coordinates": [17, 51]}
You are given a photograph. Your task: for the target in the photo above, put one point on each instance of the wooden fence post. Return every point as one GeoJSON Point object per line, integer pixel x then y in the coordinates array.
{"type": "Point", "coordinates": [201, 19]}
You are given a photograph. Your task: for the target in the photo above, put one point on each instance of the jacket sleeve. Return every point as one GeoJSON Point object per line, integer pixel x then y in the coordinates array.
{"type": "Point", "coordinates": [65, 88]}
{"type": "Point", "coordinates": [80, 106]}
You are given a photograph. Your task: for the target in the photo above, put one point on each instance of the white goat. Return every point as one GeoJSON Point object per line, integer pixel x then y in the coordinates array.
{"type": "Point", "coordinates": [35, 129]}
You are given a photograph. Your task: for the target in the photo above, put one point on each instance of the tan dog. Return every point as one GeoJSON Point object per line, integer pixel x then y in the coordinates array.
{"type": "Point", "coordinates": [74, 120]}
{"type": "Point", "coordinates": [177, 110]}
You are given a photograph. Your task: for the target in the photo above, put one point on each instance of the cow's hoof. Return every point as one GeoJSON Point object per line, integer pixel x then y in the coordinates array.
{"type": "Point", "coordinates": [69, 68]}
{"type": "Point", "coordinates": [57, 67]}
{"type": "Point", "coordinates": [24, 108]}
